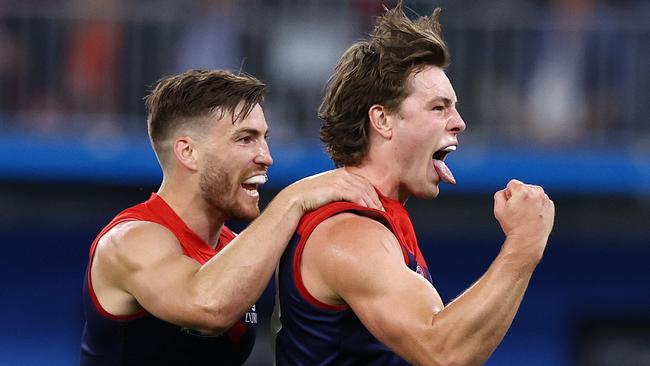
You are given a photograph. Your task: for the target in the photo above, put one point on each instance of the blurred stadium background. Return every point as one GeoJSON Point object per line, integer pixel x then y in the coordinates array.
{"type": "Point", "coordinates": [554, 92]}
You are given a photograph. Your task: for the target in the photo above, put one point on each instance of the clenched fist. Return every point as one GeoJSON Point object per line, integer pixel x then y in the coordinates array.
{"type": "Point", "coordinates": [526, 215]}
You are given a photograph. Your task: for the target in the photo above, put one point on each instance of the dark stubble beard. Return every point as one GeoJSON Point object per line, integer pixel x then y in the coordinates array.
{"type": "Point", "coordinates": [217, 190]}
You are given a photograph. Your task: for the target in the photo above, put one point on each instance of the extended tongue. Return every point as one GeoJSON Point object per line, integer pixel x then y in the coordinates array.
{"type": "Point", "coordinates": [443, 172]}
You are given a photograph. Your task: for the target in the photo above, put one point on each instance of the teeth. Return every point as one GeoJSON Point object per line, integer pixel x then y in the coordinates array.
{"type": "Point", "coordinates": [257, 179]}
{"type": "Point", "coordinates": [449, 148]}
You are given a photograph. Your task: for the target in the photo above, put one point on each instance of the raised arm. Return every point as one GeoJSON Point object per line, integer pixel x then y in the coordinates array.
{"type": "Point", "coordinates": [354, 260]}
{"type": "Point", "coordinates": [140, 265]}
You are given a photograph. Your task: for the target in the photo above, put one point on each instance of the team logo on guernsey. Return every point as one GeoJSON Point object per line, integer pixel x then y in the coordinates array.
{"type": "Point", "coordinates": [423, 272]}
{"type": "Point", "coordinates": [419, 270]}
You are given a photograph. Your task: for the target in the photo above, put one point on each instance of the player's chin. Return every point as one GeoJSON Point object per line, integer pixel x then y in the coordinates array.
{"type": "Point", "coordinates": [248, 212]}
{"type": "Point", "coordinates": [248, 207]}
{"type": "Point", "coordinates": [433, 194]}
{"type": "Point", "coordinates": [252, 207]}
{"type": "Point", "coordinates": [428, 191]}
{"type": "Point", "coordinates": [252, 215]}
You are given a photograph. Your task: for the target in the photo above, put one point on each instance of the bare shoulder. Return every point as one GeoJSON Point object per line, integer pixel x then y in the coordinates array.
{"type": "Point", "coordinates": [127, 260]}
{"type": "Point", "coordinates": [348, 247]}
{"type": "Point", "coordinates": [347, 256]}
{"type": "Point", "coordinates": [134, 242]}
{"type": "Point", "coordinates": [353, 233]}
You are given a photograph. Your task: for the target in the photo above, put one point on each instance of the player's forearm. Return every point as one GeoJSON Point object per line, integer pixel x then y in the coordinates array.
{"type": "Point", "coordinates": [476, 322]}
{"type": "Point", "coordinates": [230, 283]}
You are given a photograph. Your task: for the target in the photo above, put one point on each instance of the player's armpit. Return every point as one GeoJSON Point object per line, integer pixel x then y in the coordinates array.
{"type": "Point", "coordinates": [357, 261]}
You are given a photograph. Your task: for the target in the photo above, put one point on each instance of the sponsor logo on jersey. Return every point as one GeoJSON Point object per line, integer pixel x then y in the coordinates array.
{"type": "Point", "coordinates": [251, 316]}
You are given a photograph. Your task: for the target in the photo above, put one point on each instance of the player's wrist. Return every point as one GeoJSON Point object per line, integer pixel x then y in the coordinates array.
{"type": "Point", "coordinates": [291, 200]}
{"type": "Point", "coordinates": [521, 254]}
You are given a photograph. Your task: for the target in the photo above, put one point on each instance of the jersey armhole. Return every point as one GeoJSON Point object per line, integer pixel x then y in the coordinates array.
{"type": "Point", "coordinates": [91, 291]}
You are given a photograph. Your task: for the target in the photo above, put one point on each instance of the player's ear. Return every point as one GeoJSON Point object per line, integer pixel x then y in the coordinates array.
{"type": "Point", "coordinates": [185, 152]}
{"type": "Point", "coordinates": [380, 121]}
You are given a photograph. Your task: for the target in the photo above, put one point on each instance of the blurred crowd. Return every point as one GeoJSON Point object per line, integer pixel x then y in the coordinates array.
{"type": "Point", "coordinates": [543, 72]}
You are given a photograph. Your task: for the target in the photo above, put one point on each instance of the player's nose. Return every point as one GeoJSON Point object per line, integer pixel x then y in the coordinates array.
{"type": "Point", "coordinates": [264, 156]}
{"type": "Point", "coordinates": [456, 123]}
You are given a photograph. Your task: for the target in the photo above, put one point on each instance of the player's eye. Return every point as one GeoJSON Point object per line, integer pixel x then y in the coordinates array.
{"type": "Point", "coordinates": [245, 139]}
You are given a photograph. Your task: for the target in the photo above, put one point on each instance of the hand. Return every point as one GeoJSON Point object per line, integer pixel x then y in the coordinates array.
{"type": "Point", "coordinates": [525, 212]}
{"type": "Point", "coordinates": [334, 185]}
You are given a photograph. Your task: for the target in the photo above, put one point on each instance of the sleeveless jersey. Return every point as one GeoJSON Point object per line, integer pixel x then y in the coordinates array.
{"type": "Point", "coordinates": [141, 338]}
{"type": "Point", "coordinates": [309, 332]}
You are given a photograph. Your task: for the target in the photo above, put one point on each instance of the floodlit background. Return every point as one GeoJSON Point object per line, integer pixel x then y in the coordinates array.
{"type": "Point", "coordinates": [554, 92]}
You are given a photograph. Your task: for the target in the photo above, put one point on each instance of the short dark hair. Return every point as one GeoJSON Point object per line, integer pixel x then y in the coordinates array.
{"type": "Point", "coordinates": [177, 100]}
{"type": "Point", "coordinates": [375, 71]}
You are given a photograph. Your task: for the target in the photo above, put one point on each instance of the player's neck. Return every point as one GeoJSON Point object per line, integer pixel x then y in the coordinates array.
{"type": "Point", "coordinates": [380, 176]}
{"type": "Point", "coordinates": [189, 205]}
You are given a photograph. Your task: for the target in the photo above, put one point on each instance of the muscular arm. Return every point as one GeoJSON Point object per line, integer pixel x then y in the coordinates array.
{"type": "Point", "coordinates": [353, 260]}
{"type": "Point", "coordinates": [140, 264]}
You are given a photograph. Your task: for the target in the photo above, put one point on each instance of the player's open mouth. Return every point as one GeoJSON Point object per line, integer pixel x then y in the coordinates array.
{"type": "Point", "coordinates": [442, 153]}
{"type": "Point", "coordinates": [250, 185]}
{"type": "Point", "coordinates": [441, 168]}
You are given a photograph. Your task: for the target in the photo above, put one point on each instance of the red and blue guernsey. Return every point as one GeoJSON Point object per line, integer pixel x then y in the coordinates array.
{"type": "Point", "coordinates": [142, 339]}
{"type": "Point", "coordinates": [309, 332]}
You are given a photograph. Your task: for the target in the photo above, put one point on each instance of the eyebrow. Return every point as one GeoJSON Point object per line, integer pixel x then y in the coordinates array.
{"type": "Point", "coordinates": [446, 101]}
{"type": "Point", "coordinates": [250, 130]}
